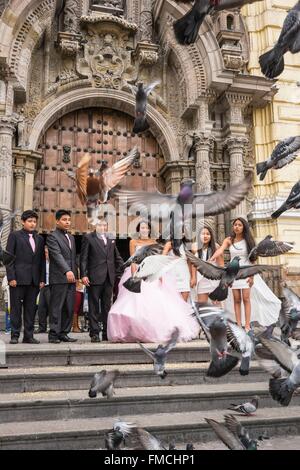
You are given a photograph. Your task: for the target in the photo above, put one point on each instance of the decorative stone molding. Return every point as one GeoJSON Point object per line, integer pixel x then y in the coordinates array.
{"type": "Point", "coordinates": [104, 18]}
{"type": "Point", "coordinates": [114, 7]}
{"type": "Point", "coordinates": [72, 10]}
{"type": "Point", "coordinates": [146, 53]}
{"type": "Point", "coordinates": [69, 43]}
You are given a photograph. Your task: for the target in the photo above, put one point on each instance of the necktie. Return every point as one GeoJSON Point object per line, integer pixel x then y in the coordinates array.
{"type": "Point", "coordinates": [104, 239]}
{"type": "Point", "coordinates": [32, 242]}
{"type": "Point", "coordinates": [68, 238]}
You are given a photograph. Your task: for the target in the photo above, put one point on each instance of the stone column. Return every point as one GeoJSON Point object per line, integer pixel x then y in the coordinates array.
{"type": "Point", "coordinates": [203, 143]}
{"type": "Point", "coordinates": [146, 21]}
{"type": "Point", "coordinates": [220, 235]}
{"type": "Point", "coordinates": [7, 127]}
{"type": "Point", "coordinates": [236, 149]}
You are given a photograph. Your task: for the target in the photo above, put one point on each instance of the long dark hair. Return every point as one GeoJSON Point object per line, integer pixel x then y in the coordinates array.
{"type": "Point", "coordinates": [211, 245]}
{"type": "Point", "coordinates": [138, 227]}
{"type": "Point", "coordinates": [248, 237]}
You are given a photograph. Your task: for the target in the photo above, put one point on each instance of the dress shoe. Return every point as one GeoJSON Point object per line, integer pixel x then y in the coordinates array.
{"type": "Point", "coordinates": [95, 339]}
{"type": "Point", "coordinates": [54, 340]}
{"type": "Point", "coordinates": [14, 341]}
{"type": "Point", "coordinates": [30, 341]}
{"type": "Point", "coordinates": [67, 339]}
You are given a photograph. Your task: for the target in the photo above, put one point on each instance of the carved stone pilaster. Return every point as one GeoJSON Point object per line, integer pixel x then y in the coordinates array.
{"type": "Point", "coordinates": [236, 148]}
{"type": "Point", "coordinates": [237, 103]}
{"type": "Point", "coordinates": [146, 21]}
{"type": "Point", "coordinates": [203, 144]}
{"type": "Point", "coordinates": [221, 234]}
{"type": "Point", "coordinates": [72, 11]}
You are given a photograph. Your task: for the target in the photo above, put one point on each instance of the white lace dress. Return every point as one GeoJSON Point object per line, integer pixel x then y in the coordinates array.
{"type": "Point", "coordinates": [265, 306]}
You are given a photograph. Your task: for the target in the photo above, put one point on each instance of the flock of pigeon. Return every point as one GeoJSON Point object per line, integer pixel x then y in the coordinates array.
{"type": "Point", "coordinates": [229, 345]}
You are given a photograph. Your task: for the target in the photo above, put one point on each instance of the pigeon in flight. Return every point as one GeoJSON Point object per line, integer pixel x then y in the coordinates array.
{"type": "Point", "coordinates": [233, 434]}
{"type": "Point", "coordinates": [141, 94]}
{"type": "Point", "coordinates": [143, 252]}
{"type": "Point", "coordinates": [285, 152]}
{"type": "Point", "coordinates": [268, 247]}
{"type": "Point", "coordinates": [93, 187]}
{"type": "Point", "coordinates": [289, 314]}
{"type": "Point", "coordinates": [242, 345]}
{"type": "Point", "coordinates": [247, 408]}
{"type": "Point", "coordinates": [150, 269]}
{"type": "Point", "coordinates": [292, 202]}
{"type": "Point", "coordinates": [211, 203]}
{"type": "Point", "coordinates": [226, 275]}
{"type": "Point", "coordinates": [103, 382]}
{"type": "Point", "coordinates": [186, 29]}
{"type": "Point", "coordinates": [159, 356]}
{"type": "Point", "coordinates": [272, 62]}
{"type": "Point", "coordinates": [117, 436]}
{"type": "Point", "coordinates": [282, 389]}
{"type": "Point", "coordinates": [212, 320]}
{"type": "Point", "coordinates": [6, 258]}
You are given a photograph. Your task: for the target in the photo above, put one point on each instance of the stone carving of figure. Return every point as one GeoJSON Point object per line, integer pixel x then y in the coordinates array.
{"type": "Point", "coordinates": [108, 3]}
{"type": "Point", "coordinates": [21, 132]}
{"type": "Point", "coordinates": [71, 13]}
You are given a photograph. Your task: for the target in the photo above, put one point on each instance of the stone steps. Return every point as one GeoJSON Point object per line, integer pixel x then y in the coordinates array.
{"type": "Point", "coordinates": [140, 400]}
{"type": "Point", "coordinates": [138, 375]}
{"type": "Point", "coordinates": [88, 433]}
{"type": "Point", "coordinates": [77, 354]}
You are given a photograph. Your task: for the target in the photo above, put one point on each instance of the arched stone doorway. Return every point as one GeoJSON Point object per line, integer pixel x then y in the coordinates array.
{"type": "Point", "coordinates": [106, 134]}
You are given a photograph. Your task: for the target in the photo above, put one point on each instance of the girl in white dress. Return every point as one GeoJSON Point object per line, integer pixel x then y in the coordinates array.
{"type": "Point", "coordinates": [209, 246]}
{"type": "Point", "coordinates": [181, 271]}
{"type": "Point", "coordinates": [252, 295]}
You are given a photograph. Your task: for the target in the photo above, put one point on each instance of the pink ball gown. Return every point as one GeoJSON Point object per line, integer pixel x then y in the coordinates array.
{"type": "Point", "coordinates": [152, 315]}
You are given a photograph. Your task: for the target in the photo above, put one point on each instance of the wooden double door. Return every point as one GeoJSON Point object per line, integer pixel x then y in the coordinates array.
{"type": "Point", "coordinates": [107, 135]}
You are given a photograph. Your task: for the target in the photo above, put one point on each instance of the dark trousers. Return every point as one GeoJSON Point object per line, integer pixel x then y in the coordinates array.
{"type": "Point", "coordinates": [61, 308]}
{"type": "Point", "coordinates": [23, 298]}
{"type": "Point", "coordinates": [43, 307]}
{"type": "Point", "coordinates": [99, 294]}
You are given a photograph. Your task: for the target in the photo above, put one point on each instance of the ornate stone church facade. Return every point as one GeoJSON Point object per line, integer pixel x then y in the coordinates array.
{"type": "Point", "coordinates": [65, 73]}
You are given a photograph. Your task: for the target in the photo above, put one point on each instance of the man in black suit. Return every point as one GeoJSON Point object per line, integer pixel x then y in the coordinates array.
{"type": "Point", "coordinates": [62, 278]}
{"type": "Point", "coordinates": [26, 275]}
{"type": "Point", "coordinates": [100, 263]}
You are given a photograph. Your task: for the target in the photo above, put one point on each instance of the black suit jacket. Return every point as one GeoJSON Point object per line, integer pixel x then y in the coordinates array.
{"type": "Point", "coordinates": [98, 261]}
{"type": "Point", "coordinates": [62, 258]}
{"type": "Point", "coordinates": [28, 267]}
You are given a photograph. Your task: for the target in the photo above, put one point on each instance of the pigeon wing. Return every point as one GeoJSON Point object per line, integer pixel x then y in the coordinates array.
{"type": "Point", "coordinates": [153, 267]}
{"type": "Point", "coordinates": [291, 26]}
{"type": "Point", "coordinates": [113, 175]}
{"type": "Point", "coordinates": [148, 441]}
{"type": "Point", "coordinates": [226, 436]}
{"type": "Point", "coordinates": [247, 271]}
{"type": "Point", "coordinates": [151, 87]}
{"type": "Point", "coordinates": [292, 298]}
{"type": "Point", "coordinates": [148, 352]}
{"type": "Point", "coordinates": [236, 427]}
{"type": "Point", "coordinates": [286, 160]}
{"type": "Point", "coordinates": [236, 336]}
{"type": "Point", "coordinates": [283, 354]}
{"type": "Point", "coordinates": [208, 270]}
{"type": "Point", "coordinates": [143, 200]}
{"type": "Point", "coordinates": [217, 202]}
{"type": "Point", "coordinates": [172, 341]}
{"type": "Point", "coordinates": [81, 178]}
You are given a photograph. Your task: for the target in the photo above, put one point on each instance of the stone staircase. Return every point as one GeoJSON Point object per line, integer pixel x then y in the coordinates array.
{"type": "Point", "coordinates": [44, 401]}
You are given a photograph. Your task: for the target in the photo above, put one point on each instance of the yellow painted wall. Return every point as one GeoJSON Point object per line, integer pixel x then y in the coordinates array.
{"type": "Point", "coordinates": [280, 119]}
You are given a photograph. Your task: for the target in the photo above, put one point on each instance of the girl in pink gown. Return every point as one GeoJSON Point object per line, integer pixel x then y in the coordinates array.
{"type": "Point", "coordinates": [151, 315]}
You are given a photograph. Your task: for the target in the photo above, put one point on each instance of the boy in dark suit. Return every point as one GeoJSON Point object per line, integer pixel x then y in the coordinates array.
{"type": "Point", "coordinates": [26, 275]}
{"type": "Point", "coordinates": [62, 278]}
{"type": "Point", "coordinates": [100, 262]}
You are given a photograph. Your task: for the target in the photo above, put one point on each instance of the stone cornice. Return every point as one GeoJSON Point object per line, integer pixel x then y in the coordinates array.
{"type": "Point", "coordinates": [104, 17]}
